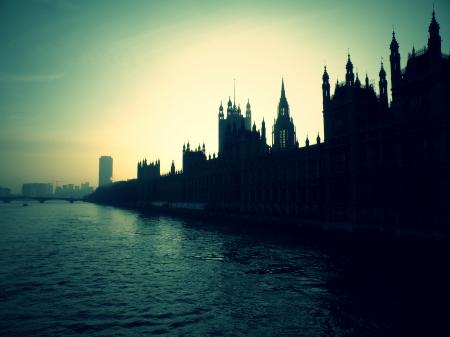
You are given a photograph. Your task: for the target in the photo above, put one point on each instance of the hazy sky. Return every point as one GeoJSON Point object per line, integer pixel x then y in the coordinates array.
{"type": "Point", "coordinates": [135, 79]}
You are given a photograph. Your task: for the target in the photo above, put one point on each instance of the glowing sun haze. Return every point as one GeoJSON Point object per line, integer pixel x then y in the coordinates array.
{"type": "Point", "coordinates": [135, 79]}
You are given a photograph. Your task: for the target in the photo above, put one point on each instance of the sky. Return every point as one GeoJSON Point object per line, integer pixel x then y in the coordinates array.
{"type": "Point", "coordinates": [137, 79]}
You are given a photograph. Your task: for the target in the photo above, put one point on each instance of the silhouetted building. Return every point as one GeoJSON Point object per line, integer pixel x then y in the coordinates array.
{"type": "Point", "coordinates": [382, 164]}
{"type": "Point", "coordinates": [37, 190]}
{"type": "Point", "coordinates": [105, 170]}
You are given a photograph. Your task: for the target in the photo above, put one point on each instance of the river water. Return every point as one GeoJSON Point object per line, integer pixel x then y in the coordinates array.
{"type": "Point", "coordinates": [81, 269]}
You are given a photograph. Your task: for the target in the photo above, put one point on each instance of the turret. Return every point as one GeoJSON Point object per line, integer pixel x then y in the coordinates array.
{"type": "Point", "coordinates": [434, 39]}
{"type": "Point", "coordinates": [349, 76]}
{"type": "Point", "coordinates": [248, 115]}
{"type": "Point", "coordinates": [396, 74]}
{"type": "Point", "coordinates": [172, 168]}
{"type": "Point", "coordinates": [248, 110]}
{"type": "Point", "coordinates": [263, 132]}
{"type": "Point", "coordinates": [229, 107]}
{"type": "Point", "coordinates": [221, 111]}
{"type": "Point", "coordinates": [383, 87]}
{"type": "Point", "coordinates": [325, 88]}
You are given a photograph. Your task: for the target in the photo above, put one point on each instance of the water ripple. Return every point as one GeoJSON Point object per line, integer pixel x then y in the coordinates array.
{"type": "Point", "coordinates": [81, 269]}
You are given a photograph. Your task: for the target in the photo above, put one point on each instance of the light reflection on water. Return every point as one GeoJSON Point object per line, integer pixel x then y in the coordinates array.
{"type": "Point", "coordinates": [71, 269]}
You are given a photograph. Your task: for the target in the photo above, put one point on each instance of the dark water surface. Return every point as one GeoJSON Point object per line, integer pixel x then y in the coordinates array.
{"type": "Point", "coordinates": [81, 269]}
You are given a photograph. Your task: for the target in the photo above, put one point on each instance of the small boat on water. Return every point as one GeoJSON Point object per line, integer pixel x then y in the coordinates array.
{"type": "Point", "coordinates": [25, 204]}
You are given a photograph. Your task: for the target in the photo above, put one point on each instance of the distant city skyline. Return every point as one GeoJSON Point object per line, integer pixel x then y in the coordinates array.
{"type": "Point", "coordinates": [139, 79]}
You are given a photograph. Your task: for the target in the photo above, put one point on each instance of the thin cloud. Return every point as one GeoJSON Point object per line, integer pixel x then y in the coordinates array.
{"type": "Point", "coordinates": [30, 77]}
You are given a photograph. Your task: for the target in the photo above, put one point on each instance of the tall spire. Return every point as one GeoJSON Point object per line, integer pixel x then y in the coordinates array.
{"type": "Point", "coordinates": [283, 106]}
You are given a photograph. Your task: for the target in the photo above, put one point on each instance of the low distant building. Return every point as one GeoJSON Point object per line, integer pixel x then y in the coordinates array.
{"type": "Point", "coordinates": [73, 191]}
{"type": "Point", "coordinates": [5, 192]}
{"type": "Point", "coordinates": [86, 189]}
{"type": "Point", "coordinates": [37, 189]}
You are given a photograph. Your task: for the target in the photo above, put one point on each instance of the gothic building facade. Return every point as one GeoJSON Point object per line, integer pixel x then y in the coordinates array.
{"type": "Point", "coordinates": [382, 163]}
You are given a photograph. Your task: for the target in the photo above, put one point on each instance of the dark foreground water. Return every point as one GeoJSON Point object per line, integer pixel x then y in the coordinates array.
{"type": "Point", "coordinates": [80, 269]}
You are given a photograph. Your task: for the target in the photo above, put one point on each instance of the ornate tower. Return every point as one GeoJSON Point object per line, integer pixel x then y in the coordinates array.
{"type": "Point", "coordinates": [434, 39]}
{"type": "Point", "coordinates": [383, 87]}
{"type": "Point", "coordinates": [349, 76]}
{"type": "Point", "coordinates": [283, 129]}
{"type": "Point", "coordinates": [396, 74]}
{"type": "Point", "coordinates": [325, 88]}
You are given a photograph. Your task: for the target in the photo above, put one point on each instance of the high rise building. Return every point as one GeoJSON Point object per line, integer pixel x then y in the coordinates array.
{"type": "Point", "coordinates": [105, 170]}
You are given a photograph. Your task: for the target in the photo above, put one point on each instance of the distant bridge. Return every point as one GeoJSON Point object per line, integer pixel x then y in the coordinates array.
{"type": "Point", "coordinates": [40, 199]}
